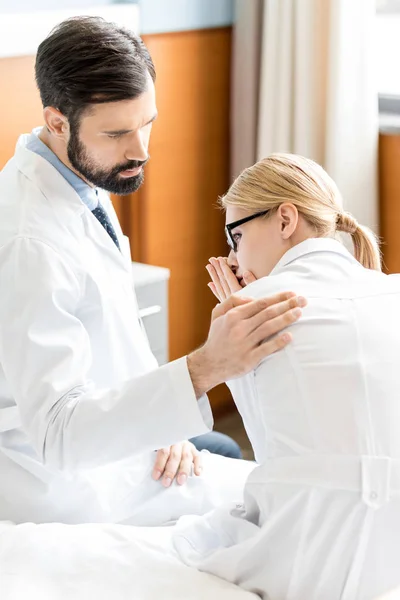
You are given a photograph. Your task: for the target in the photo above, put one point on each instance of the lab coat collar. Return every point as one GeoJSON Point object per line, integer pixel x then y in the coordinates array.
{"type": "Point", "coordinates": [57, 190]}
{"type": "Point", "coordinates": [87, 193]}
{"type": "Point", "coordinates": [48, 179]}
{"type": "Point", "coordinates": [310, 246]}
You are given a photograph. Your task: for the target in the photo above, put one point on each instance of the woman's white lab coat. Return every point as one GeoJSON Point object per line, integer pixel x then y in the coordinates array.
{"type": "Point", "coordinates": [321, 519]}
{"type": "Point", "coordinates": [81, 395]}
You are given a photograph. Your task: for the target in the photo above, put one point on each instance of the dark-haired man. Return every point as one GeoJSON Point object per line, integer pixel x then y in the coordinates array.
{"type": "Point", "coordinates": [83, 403]}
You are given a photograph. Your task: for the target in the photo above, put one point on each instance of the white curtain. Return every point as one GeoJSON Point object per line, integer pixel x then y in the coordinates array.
{"type": "Point", "coordinates": [304, 81]}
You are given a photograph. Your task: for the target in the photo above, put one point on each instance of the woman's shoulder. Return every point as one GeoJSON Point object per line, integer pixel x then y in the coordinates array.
{"type": "Point", "coordinates": [353, 284]}
{"type": "Point", "coordinates": [272, 284]}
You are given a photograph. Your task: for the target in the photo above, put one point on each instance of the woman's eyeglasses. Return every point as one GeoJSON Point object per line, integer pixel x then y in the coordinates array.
{"type": "Point", "coordinates": [230, 226]}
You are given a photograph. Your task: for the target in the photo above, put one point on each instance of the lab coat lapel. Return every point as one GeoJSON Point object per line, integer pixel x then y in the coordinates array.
{"type": "Point", "coordinates": [118, 258]}
{"type": "Point", "coordinates": [60, 193]}
{"type": "Point", "coordinates": [49, 181]}
{"type": "Point", "coordinates": [123, 239]}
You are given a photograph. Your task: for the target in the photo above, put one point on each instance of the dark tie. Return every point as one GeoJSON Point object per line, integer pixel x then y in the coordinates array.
{"type": "Point", "coordinates": [103, 218]}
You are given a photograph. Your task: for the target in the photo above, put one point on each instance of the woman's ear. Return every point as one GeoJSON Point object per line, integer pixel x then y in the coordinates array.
{"type": "Point", "coordinates": [289, 217]}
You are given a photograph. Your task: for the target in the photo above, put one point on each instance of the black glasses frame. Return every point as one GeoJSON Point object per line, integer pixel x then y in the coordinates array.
{"type": "Point", "coordinates": [228, 228]}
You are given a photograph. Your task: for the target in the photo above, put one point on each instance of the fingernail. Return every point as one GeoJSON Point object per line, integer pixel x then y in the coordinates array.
{"type": "Point", "coordinates": [297, 312]}
{"type": "Point", "coordinates": [199, 471]}
{"type": "Point", "coordinates": [286, 337]}
{"type": "Point", "coordinates": [302, 301]}
{"type": "Point", "coordinates": [182, 478]}
{"type": "Point", "coordinates": [156, 475]}
{"type": "Point", "coordinates": [167, 482]}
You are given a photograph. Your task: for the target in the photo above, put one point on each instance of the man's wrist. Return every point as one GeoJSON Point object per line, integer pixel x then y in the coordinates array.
{"type": "Point", "coordinates": [201, 372]}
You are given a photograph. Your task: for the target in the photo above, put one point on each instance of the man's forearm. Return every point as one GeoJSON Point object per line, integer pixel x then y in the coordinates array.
{"type": "Point", "coordinates": [202, 372]}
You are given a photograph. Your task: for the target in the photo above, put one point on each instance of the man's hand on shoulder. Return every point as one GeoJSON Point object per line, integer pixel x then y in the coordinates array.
{"type": "Point", "coordinates": [242, 333]}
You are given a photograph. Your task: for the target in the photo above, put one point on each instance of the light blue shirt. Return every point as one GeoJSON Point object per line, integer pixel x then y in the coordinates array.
{"type": "Point", "coordinates": [87, 194]}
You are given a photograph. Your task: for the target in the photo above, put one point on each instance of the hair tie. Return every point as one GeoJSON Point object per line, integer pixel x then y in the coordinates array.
{"type": "Point", "coordinates": [347, 223]}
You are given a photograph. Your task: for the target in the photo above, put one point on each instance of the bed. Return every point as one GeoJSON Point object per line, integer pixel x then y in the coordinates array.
{"type": "Point", "coordinates": [99, 562]}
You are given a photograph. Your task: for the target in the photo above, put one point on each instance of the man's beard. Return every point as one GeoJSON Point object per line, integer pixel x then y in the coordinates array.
{"type": "Point", "coordinates": [106, 180]}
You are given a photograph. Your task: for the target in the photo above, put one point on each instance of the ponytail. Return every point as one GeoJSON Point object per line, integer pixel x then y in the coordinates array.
{"type": "Point", "coordinates": [366, 247]}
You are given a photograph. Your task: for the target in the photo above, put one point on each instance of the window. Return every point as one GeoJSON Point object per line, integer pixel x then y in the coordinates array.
{"type": "Point", "coordinates": [388, 51]}
{"type": "Point", "coordinates": [387, 6]}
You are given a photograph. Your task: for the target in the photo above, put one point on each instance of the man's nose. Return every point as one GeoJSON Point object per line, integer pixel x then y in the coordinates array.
{"type": "Point", "coordinates": [137, 148]}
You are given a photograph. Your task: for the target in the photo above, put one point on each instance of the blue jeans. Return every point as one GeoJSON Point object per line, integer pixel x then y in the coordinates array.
{"type": "Point", "coordinates": [217, 443]}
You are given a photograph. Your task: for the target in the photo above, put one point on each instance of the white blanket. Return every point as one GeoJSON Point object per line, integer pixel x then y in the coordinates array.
{"type": "Point", "coordinates": [99, 562]}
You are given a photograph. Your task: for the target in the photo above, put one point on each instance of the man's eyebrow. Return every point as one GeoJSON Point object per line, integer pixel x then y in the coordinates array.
{"type": "Point", "coordinates": [124, 131]}
{"type": "Point", "coordinates": [118, 131]}
{"type": "Point", "coordinates": [153, 118]}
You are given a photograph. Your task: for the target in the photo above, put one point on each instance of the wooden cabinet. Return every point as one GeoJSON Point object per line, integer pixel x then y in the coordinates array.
{"type": "Point", "coordinates": [389, 197]}
{"type": "Point", "coordinates": [151, 287]}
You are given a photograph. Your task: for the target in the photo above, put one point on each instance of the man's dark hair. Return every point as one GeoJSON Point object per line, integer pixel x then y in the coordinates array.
{"type": "Point", "coordinates": [86, 60]}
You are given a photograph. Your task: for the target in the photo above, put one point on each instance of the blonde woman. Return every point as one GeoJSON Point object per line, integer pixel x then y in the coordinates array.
{"type": "Point", "coordinates": [321, 518]}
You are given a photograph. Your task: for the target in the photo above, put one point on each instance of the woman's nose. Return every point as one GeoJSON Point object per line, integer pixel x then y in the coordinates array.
{"type": "Point", "coordinates": [232, 262]}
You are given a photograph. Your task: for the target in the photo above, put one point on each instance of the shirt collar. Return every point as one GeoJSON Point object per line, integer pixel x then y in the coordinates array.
{"type": "Point", "coordinates": [87, 194]}
{"type": "Point", "coordinates": [310, 246]}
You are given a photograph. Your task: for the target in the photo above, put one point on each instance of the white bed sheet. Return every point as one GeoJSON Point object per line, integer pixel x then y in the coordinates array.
{"type": "Point", "coordinates": [100, 562]}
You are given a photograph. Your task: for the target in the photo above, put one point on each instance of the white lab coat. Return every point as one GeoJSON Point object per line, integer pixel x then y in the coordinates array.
{"type": "Point", "coordinates": [321, 519]}
{"type": "Point", "coordinates": [83, 404]}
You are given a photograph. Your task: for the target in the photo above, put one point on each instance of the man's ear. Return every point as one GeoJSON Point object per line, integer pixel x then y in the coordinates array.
{"type": "Point", "coordinates": [289, 217]}
{"type": "Point", "coordinates": [56, 123]}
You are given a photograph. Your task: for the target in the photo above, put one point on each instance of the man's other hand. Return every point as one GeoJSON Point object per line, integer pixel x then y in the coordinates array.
{"type": "Point", "coordinates": [177, 462]}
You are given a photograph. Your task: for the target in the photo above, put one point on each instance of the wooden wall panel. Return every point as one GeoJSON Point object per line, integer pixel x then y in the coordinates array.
{"type": "Point", "coordinates": [177, 219]}
{"type": "Point", "coordinates": [189, 168]}
{"type": "Point", "coordinates": [389, 193]}
{"type": "Point", "coordinates": [20, 106]}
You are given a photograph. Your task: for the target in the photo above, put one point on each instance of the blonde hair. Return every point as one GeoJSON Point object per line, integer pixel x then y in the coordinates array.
{"type": "Point", "coordinates": [300, 181]}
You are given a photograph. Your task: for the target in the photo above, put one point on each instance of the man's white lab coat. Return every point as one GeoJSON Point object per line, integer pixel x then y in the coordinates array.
{"type": "Point", "coordinates": [83, 404]}
{"type": "Point", "coordinates": [321, 519]}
